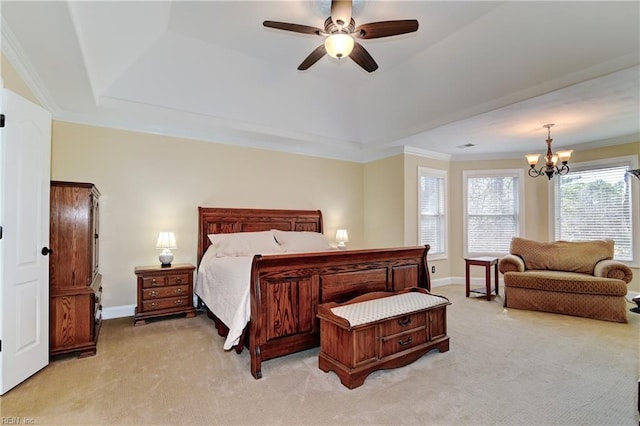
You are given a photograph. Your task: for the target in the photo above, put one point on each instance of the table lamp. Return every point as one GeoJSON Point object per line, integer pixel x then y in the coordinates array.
{"type": "Point", "coordinates": [166, 242]}
{"type": "Point", "coordinates": [342, 237]}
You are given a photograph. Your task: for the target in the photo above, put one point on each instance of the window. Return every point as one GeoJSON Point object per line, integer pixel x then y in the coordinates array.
{"type": "Point", "coordinates": [432, 217]}
{"type": "Point", "coordinates": [493, 210]}
{"type": "Point", "coordinates": [594, 201]}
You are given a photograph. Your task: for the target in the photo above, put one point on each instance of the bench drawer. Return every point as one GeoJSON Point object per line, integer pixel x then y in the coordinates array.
{"type": "Point", "coordinates": [403, 323]}
{"type": "Point", "coordinates": [401, 342]}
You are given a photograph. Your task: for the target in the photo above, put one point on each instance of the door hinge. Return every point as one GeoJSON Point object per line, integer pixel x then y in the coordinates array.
{"type": "Point", "coordinates": [1, 120]}
{"type": "Point", "coordinates": [0, 232]}
{"type": "Point", "coordinates": [0, 345]}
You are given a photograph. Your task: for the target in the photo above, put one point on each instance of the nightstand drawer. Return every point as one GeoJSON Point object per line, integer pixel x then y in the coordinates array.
{"type": "Point", "coordinates": [163, 280]}
{"type": "Point", "coordinates": [162, 292]}
{"type": "Point", "coordinates": [172, 303]}
{"type": "Point", "coordinates": [152, 281]}
{"type": "Point", "coordinates": [179, 279]}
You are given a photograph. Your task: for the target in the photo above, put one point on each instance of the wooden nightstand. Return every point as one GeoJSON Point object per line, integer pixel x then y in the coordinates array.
{"type": "Point", "coordinates": [164, 291]}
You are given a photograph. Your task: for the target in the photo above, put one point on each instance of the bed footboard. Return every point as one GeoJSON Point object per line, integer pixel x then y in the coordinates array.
{"type": "Point", "coordinates": [286, 291]}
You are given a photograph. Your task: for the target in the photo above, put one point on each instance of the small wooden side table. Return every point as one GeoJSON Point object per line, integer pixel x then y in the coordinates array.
{"type": "Point", "coordinates": [487, 262]}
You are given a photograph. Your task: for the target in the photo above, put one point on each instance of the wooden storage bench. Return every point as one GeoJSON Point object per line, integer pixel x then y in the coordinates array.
{"type": "Point", "coordinates": [380, 330]}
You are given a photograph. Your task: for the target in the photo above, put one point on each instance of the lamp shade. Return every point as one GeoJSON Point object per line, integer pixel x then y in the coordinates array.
{"type": "Point", "coordinates": [564, 156]}
{"type": "Point", "coordinates": [339, 45]}
{"type": "Point", "coordinates": [166, 240]}
{"type": "Point", "coordinates": [342, 237]}
{"type": "Point", "coordinates": [532, 159]}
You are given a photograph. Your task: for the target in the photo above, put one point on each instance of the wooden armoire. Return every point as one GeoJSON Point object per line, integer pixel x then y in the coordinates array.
{"type": "Point", "coordinates": [75, 284]}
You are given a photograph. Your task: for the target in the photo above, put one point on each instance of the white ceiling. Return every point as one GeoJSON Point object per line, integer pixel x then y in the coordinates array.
{"type": "Point", "coordinates": [476, 72]}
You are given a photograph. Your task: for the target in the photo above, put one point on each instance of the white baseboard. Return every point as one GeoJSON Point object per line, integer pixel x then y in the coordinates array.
{"type": "Point", "coordinates": [475, 281]}
{"type": "Point", "coordinates": [441, 282]}
{"type": "Point", "coordinates": [118, 312]}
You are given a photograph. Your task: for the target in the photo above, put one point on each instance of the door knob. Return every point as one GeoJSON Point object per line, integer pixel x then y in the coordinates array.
{"type": "Point", "coordinates": [46, 250]}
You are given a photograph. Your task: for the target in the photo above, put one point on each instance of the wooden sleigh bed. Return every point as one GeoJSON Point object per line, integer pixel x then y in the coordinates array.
{"type": "Point", "coordinates": [285, 289]}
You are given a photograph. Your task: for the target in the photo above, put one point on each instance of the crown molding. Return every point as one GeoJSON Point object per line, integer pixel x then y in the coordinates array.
{"type": "Point", "coordinates": [419, 152]}
{"type": "Point", "coordinates": [14, 53]}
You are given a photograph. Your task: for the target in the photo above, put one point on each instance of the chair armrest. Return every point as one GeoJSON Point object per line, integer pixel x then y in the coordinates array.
{"type": "Point", "coordinates": [613, 269]}
{"type": "Point", "coordinates": [511, 263]}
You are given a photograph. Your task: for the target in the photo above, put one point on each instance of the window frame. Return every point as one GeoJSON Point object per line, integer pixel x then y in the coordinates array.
{"type": "Point", "coordinates": [466, 174]}
{"type": "Point", "coordinates": [631, 162]}
{"type": "Point", "coordinates": [438, 174]}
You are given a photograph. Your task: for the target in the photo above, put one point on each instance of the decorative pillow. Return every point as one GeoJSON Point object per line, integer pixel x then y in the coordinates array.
{"type": "Point", "coordinates": [244, 243]}
{"type": "Point", "coordinates": [302, 241]}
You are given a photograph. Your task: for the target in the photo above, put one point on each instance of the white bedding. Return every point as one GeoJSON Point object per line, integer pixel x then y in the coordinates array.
{"type": "Point", "coordinates": [223, 281]}
{"type": "Point", "coordinates": [223, 284]}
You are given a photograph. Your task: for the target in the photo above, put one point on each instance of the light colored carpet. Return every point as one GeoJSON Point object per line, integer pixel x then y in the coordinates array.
{"type": "Point", "coordinates": [504, 367]}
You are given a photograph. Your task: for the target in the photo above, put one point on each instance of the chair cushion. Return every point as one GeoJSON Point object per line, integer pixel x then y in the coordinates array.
{"type": "Point", "coordinates": [566, 282]}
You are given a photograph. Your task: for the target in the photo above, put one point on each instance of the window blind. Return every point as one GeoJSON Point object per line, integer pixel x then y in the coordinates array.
{"type": "Point", "coordinates": [492, 213]}
{"type": "Point", "coordinates": [595, 204]}
{"type": "Point", "coordinates": [432, 213]}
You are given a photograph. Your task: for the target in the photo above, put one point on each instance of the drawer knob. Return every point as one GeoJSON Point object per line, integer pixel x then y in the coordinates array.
{"type": "Point", "coordinates": [179, 280]}
{"type": "Point", "coordinates": [405, 342]}
{"type": "Point", "coordinates": [179, 290]}
{"type": "Point", "coordinates": [179, 302]}
{"type": "Point", "coordinates": [154, 304]}
{"type": "Point", "coordinates": [403, 322]}
{"type": "Point", "coordinates": [153, 282]}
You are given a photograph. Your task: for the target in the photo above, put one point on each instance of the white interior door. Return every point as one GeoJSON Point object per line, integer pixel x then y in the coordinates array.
{"type": "Point", "coordinates": [25, 156]}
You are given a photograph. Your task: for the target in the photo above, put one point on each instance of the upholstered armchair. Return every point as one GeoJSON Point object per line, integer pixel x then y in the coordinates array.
{"type": "Point", "coordinates": [572, 278]}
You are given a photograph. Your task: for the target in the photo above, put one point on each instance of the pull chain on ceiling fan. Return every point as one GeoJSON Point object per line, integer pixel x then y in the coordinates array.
{"type": "Point", "coordinates": [341, 31]}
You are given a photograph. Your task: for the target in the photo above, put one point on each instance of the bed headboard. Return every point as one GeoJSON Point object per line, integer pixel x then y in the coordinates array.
{"type": "Point", "coordinates": [214, 220]}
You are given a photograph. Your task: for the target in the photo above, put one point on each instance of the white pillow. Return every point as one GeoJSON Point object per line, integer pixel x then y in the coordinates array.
{"type": "Point", "coordinates": [244, 243]}
{"type": "Point", "coordinates": [294, 241]}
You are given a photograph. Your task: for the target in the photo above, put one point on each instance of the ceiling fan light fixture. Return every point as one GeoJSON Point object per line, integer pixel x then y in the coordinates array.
{"type": "Point", "coordinates": [339, 45]}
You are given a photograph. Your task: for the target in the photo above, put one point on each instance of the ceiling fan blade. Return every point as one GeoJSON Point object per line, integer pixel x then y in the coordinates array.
{"type": "Point", "coordinates": [361, 57]}
{"type": "Point", "coordinates": [296, 28]}
{"type": "Point", "coordinates": [386, 28]}
{"type": "Point", "coordinates": [314, 57]}
{"type": "Point", "coordinates": [341, 12]}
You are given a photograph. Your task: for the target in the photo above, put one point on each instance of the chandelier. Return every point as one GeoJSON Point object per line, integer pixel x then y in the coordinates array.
{"type": "Point", "coordinates": [550, 166]}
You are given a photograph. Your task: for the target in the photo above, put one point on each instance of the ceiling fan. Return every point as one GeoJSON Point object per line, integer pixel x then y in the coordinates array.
{"type": "Point", "coordinates": [341, 31]}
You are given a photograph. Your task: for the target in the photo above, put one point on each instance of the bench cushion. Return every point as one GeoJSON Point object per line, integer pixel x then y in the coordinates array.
{"type": "Point", "coordinates": [387, 307]}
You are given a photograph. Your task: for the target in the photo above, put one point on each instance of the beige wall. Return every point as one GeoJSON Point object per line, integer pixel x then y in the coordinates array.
{"type": "Point", "coordinates": [384, 202]}
{"type": "Point", "coordinates": [151, 183]}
